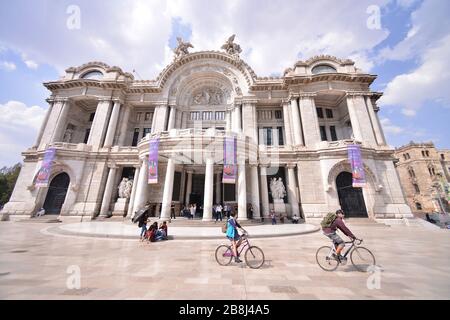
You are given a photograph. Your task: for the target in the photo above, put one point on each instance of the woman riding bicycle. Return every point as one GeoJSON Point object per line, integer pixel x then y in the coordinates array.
{"type": "Point", "coordinates": [233, 235]}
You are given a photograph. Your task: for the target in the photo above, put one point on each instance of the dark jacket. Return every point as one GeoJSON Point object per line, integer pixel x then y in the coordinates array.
{"type": "Point", "coordinates": [339, 224]}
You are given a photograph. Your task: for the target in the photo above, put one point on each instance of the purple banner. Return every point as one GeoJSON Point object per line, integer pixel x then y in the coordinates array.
{"type": "Point", "coordinates": [153, 161]}
{"type": "Point", "coordinates": [43, 175]}
{"type": "Point", "coordinates": [354, 157]}
{"type": "Point", "coordinates": [229, 160]}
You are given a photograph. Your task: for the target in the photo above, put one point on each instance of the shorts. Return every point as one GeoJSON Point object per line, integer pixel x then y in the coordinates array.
{"type": "Point", "coordinates": [335, 238]}
{"type": "Point", "coordinates": [236, 237]}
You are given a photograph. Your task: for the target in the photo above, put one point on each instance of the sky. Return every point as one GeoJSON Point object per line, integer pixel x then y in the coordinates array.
{"type": "Point", "coordinates": [406, 43]}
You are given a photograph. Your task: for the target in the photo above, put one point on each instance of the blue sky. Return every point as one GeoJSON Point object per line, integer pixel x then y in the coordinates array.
{"type": "Point", "coordinates": [408, 49]}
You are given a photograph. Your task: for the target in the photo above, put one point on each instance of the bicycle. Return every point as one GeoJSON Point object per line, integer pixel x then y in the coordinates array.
{"type": "Point", "coordinates": [361, 257]}
{"type": "Point", "coordinates": [254, 256]}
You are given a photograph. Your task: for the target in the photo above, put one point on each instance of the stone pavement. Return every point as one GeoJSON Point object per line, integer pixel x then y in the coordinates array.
{"type": "Point", "coordinates": [36, 264]}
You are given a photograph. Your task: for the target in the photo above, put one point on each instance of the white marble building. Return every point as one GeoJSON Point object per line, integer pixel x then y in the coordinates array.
{"type": "Point", "coordinates": [295, 127]}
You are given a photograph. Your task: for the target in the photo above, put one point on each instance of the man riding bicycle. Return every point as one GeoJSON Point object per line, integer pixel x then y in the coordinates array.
{"type": "Point", "coordinates": [233, 235]}
{"type": "Point", "coordinates": [330, 232]}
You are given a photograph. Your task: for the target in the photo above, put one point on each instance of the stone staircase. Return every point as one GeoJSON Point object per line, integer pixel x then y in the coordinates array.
{"type": "Point", "coordinates": [43, 219]}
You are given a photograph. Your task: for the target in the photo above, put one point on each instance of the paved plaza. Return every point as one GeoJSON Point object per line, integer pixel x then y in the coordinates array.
{"type": "Point", "coordinates": [38, 263]}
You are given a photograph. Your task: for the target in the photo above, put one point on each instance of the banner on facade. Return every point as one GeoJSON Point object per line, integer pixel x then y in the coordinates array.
{"type": "Point", "coordinates": [43, 175]}
{"type": "Point", "coordinates": [355, 159]}
{"type": "Point", "coordinates": [229, 160]}
{"type": "Point", "coordinates": [153, 161]}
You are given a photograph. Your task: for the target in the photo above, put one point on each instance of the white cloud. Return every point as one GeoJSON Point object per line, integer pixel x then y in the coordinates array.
{"type": "Point", "coordinates": [29, 63]}
{"type": "Point", "coordinates": [429, 82]}
{"type": "Point", "coordinates": [7, 66]}
{"type": "Point", "coordinates": [406, 3]}
{"type": "Point", "coordinates": [135, 34]}
{"type": "Point", "coordinates": [19, 125]}
{"type": "Point", "coordinates": [409, 112]}
{"type": "Point", "coordinates": [390, 128]}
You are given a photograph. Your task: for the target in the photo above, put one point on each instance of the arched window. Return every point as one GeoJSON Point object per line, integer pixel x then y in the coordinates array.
{"type": "Point", "coordinates": [323, 68]}
{"type": "Point", "coordinates": [411, 173]}
{"type": "Point", "coordinates": [95, 75]}
{"type": "Point", "coordinates": [418, 206]}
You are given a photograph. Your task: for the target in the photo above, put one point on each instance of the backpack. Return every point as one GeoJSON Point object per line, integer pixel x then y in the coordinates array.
{"type": "Point", "coordinates": [224, 227]}
{"type": "Point", "coordinates": [328, 220]}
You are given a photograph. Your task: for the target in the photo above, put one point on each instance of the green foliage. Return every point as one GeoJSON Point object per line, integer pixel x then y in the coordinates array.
{"type": "Point", "coordinates": [8, 178]}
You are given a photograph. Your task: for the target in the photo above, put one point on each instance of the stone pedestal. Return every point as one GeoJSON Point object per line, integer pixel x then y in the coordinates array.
{"type": "Point", "coordinates": [121, 207]}
{"type": "Point", "coordinates": [279, 206]}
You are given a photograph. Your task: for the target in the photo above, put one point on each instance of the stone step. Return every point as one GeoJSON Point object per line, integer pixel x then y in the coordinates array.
{"type": "Point", "coordinates": [43, 219]}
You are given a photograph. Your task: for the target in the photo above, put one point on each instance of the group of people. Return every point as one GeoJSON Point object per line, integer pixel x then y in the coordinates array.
{"type": "Point", "coordinates": [153, 233]}
{"type": "Point", "coordinates": [273, 217]}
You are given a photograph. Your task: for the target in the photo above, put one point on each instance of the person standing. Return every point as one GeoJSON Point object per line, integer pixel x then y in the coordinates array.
{"type": "Point", "coordinates": [273, 217]}
{"type": "Point", "coordinates": [218, 212]}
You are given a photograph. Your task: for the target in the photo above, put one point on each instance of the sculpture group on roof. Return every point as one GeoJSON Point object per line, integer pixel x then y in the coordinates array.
{"type": "Point", "coordinates": [229, 46]}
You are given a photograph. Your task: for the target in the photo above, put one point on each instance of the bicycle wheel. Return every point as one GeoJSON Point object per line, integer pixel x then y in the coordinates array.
{"type": "Point", "coordinates": [223, 255]}
{"type": "Point", "coordinates": [254, 257]}
{"type": "Point", "coordinates": [324, 260]}
{"type": "Point", "coordinates": [362, 258]}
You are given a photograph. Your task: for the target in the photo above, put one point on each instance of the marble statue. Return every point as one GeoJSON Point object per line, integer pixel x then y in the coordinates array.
{"type": "Point", "coordinates": [121, 187]}
{"type": "Point", "coordinates": [230, 47]}
{"type": "Point", "coordinates": [182, 48]}
{"type": "Point", "coordinates": [277, 188]}
{"type": "Point", "coordinates": [128, 188]}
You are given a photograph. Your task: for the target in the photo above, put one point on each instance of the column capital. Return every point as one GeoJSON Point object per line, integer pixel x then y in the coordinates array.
{"type": "Point", "coordinates": [292, 96]}
{"type": "Point", "coordinates": [160, 103]}
{"type": "Point", "coordinates": [57, 99]}
{"type": "Point", "coordinates": [307, 95]}
{"type": "Point", "coordinates": [358, 93]}
{"type": "Point", "coordinates": [253, 165]}
{"type": "Point", "coordinates": [290, 165]}
{"type": "Point", "coordinates": [117, 100]}
{"type": "Point", "coordinates": [113, 166]}
{"type": "Point", "coordinates": [251, 101]}
{"type": "Point", "coordinates": [285, 101]}
{"type": "Point", "coordinates": [189, 171]}
{"type": "Point", "coordinates": [104, 99]}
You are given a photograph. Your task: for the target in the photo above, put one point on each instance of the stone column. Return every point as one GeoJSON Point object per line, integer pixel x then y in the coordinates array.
{"type": "Point", "coordinates": [218, 187]}
{"type": "Point", "coordinates": [298, 135]}
{"type": "Point", "coordinates": [130, 213]}
{"type": "Point", "coordinates": [159, 118]}
{"type": "Point", "coordinates": [242, 192]}
{"type": "Point", "coordinates": [292, 190]}
{"type": "Point", "coordinates": [188, 186]}
{"type": "Point", "coordinates": [356, 103]}
{"type": "Point", "coordinates": [124, 125]}
{"type": "Point", "coordinates": [309, 119]}
{"type": "Point", "coordinates": [287, 123]}
{"type": "Point", "coordinates": [168, 190]}
{"type": "Point", "coordinates": [237, 119]}
{"type": "Point", "coordinates": [356, 128]}
{"type": "Point", "coordinates": [172, 114]}
{"type": "Point", "coordinates": [141, 187]}
{"type": "Point", "coordinates": [209, 189]}
{"type": "Point", "coordinates": [52, 121]}
{"type": "Point", "coordinates": [62, 121]}
{"type": "Point", "coordinates": [110, 183]}
{"type": "Point", "coordinates": [255, 192]}
{"type": "Point", "coordinates": [249, 122]}
{"type": "Point", "coordinates": [375, 121]}
{"type": "Point", "coordinates": [228, 120]}
{"type": "Point", "coordinates": [112, 124]}
{"type": "Point", "coordinates": [44, 124]}
{"type": "Point", "coordinates": [99, 124]}
{"type": "Point", "coordinates": [264, 192]}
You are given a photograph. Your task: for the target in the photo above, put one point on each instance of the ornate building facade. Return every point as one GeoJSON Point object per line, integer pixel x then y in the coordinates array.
{"type": "Point", "coordinates": [425, 176]}
{"type": "Point", "coordinates": [294, 128]}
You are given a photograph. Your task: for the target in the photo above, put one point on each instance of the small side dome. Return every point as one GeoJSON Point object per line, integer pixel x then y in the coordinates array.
{"type": "Point", "coordinates": [323, 68]}
{"type": "Point", "coordinates": [93, 74]}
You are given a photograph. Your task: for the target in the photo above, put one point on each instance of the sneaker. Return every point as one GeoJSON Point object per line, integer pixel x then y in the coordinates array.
{"type": "Point", "coordinates": [237, 260]}
{"type": "Point", "coordinates": [334, 256]}
{"type": "Point", "coordinates": [342, 259]}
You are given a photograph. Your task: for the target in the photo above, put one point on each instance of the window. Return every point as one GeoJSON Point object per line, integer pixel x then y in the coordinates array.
{"type": "Point", "coordinates": [265, 115]}
{"type": "Point", "coordinates": [323, 68]}
{"type": "Point", "coordinates": [431, 171]}
{"type": "Point", "coordinates": [95, 75]}
{"type": "Point", "coordinates": [411, 172]}
{"type": "Point", "coordinates": [278, 114]}
{"type": "Point", "coordinates": [135, 137]}
{"type": "Point", "coordinates": [319, 113]}
{"type": "Point", "coordinates": [220, 128]}
{"type": "Point", "coordinates": [416, 187]}
{"type": "Point", "coordinates": [267, 136]}
{"type": "Point", "coordinates": [195, 115]}
{"type": "Point", "coordinates": [407, 156]}
{"type": "Point", "coordinates": [220, 115]}
{"type": "Point", "coordinates": [207, 115]}
{"type": "Point", "coordinates": [138, 116]}
{"type": "Point", "coordinates": [329, 113]}
{"type": "Point", "coordinates": [91, 117]}
{"type": "Point", "coordinates": [418, 206]}
{"type": "Point", "coordinates": [148, 116]}
{"type": "Point", "coordinates": [86, 135]}
{"type": "Point", "coordinates": [427, 153]}
{"type": "Point", "coordinates": [146, 130]}
{"type": "Point", "coordinates": [280, 136]}
{"type": "Point", "coordinates": [404, 156]}
{"type": "Point", "coordinates": [333, 133]}
{"type": "Point", "coordinates": [323, 133]}
{"type": "Point", "coordinates": [442, 156]}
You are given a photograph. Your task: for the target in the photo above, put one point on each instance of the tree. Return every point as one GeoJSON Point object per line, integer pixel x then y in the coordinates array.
{"type": "Point", "coordinates": [8, 178]}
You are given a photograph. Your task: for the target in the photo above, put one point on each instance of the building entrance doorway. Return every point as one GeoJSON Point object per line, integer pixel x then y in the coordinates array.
{"type": "Point", "coordinates": [351, 199]}
{"type": "Point", "coordinates": [56, 194]}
